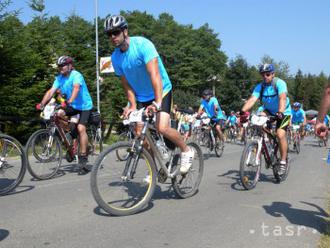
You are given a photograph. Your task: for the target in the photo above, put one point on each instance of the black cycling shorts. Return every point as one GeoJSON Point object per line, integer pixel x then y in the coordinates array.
{"type": "Point", "coordinates": [166, 103]}
{"type": "Point", "coordinates": [84, 114]}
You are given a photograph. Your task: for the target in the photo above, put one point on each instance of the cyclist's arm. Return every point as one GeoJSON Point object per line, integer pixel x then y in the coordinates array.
{"type": "Point", "coordinates": [249, 103]}
{"type": "Point", "coordinates": [129, 93]}
{"type": "Point", "coordinates": [325, 104]}
{"type": "Point", "coordinates": [282, 102]}
{"type": "Point", "coordinates": [75, 91]}
{"type": "Point", "coordinates": [152, 68]}
{"type": "Point", "coordinates": [48, 95]}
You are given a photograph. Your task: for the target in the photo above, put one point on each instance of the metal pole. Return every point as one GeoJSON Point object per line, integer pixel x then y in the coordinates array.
{"type": "Point", "coordinates": [97, 57]}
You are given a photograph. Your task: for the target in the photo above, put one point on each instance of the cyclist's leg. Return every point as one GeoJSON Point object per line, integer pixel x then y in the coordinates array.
{"type": "Point", "coordinates": [281, 135]}
{"type": "Point", "coordinates": [83, 139]}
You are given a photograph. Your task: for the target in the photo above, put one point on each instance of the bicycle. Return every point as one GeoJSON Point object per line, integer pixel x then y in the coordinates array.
{"type": "Point", "coordinates": [296, 137]}
{"type": "Point", "coordinates": [44, 148]}
{"type": "Point", "coordinates": [12, 163]}
{"type": "Point", "coordinates": [264, 142]}
{"type": "Point", "coordinates": [127, 135]}
{"type": "Point", "coordinates": [125, 187]}
{"type": "Point", "coordinates": [210, 139]}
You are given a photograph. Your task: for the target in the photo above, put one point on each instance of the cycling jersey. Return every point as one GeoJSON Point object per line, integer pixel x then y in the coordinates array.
{"type": "Point", "coordinates": [132, 65]}
{"type": "Point", "coordinates": [270, 96]}
{"type": "Point", "coordinates": [298, 116]}
{"type": "Point", "coordinates": [232, 119]}
{"type": "Point", "coordinates": [65, 84]}
{"type": "Point", "coordinates": [208, 107]}
{"type": "Point", "coordinates": [326, 120]}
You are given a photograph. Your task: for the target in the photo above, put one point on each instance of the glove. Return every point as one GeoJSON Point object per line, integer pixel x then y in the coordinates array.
{"type": "Point", "coordinates": [64, 104]}
{"type": "Point", "coordinates": [279, 116]}
{"type": "Point", "coordinates": [39, 106]}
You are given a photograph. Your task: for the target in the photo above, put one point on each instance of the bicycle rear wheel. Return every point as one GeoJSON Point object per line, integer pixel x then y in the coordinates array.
{"type": "Point", "coordinates": [187, 185]}
{"type": "Point", "coordinates": [12, 163]}
{"type": "Point", "coordinates": [44, 154]}
{"type": "Point", "coordinates": [280, 177]}
{"type": "Point", "coordinates": [219, 147]}
{"type": "Point", "coordinates": [250, 165]}
{"type": "Point", "coordinates": [95, 143]}
{"type": "Point", "coordinates": [113, 191]}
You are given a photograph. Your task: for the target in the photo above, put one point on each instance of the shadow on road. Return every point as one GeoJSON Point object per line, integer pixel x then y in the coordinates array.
{"type": "Point", "coordinates": [3, 234]}
{"type": "Point", "coordinates": [312, 219]}
{"type": "Point", "coordinates": [234, 175]}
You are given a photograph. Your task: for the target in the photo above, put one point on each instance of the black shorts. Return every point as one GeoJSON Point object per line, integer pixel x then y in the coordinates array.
{"type": "Point", "coordinates": [84, 114]}
{"type": "Point", "coordinates": [281, 124]}
{"type": "Point", "coordinates": [166, 103]}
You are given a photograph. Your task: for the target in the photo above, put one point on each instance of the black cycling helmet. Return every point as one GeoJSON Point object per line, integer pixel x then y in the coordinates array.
{"type": "Point", "coordinates": [64, 60]}
{"type": "Point", "coordinates": [207, 92]}
{"type": "Point", "coordinates": [266, 68]}
{"type": "Point", "coordinates": [115, 22]}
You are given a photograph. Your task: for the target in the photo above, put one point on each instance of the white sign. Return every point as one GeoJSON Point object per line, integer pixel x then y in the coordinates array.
{"type": "Point", "coordinates": [106, 65]}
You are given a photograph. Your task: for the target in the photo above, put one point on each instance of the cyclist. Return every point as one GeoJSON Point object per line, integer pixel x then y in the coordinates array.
{"type": "Point", "coordinates": [298, 117]}
{"type": "Point", "coordinates": [72, 84]}
{"type": "Point", "coordinates": [145, 81]}
{"type": "Point", "coordinates": [272, 93]}
{"type": "Point", "coordinates": [211, 107]}
{"type": "Point", "coordinates": [232, 121]}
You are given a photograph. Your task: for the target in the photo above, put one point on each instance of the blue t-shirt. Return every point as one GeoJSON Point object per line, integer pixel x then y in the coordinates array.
{"type": "Point", "coordinates": [83, 101]}
{"type": "Point", "coordinates": [132, 65]}
{"type": "Point", "coordinates": [269, 101]}
{"type": "Point", "coordinates": [208, 107]}
{"type": "Point", "coordinates": [232, 119]}
{"type": "Point", "coordinates": [298, 116]}
{"type": "Point", "coordinates": [326, 120]}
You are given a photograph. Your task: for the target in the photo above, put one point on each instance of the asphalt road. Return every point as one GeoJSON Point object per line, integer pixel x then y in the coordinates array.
{"type": "Point", "coordinates": [61, 212]}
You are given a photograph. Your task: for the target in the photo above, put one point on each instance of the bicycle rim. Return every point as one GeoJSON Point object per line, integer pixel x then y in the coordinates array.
{"type": "Point", "coordinates": [12, 164]}
{"type": "Point", "coordinates": [250, 165]}
{"type": "Point", "coordinates": [115, 194]}
{"type": "Point", "coordinates": [44, 154]}
{"type": "Point", "coordinates": [187, 185]}
{"type": "Point", "coordinates": [219, 147]}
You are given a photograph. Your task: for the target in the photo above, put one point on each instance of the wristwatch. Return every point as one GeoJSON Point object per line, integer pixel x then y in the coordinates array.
{"type": "Point", "coordinates": [158, 106]}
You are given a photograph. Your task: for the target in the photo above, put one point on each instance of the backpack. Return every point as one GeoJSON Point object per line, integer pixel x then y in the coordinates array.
{"type": "Point", "coordinates": [274, 86]}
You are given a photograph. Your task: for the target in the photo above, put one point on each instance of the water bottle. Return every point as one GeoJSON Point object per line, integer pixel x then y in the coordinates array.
{"type": "Point", "coordinates": [162, 149]}
{"type": "Point", "coordinates": [328, 160]}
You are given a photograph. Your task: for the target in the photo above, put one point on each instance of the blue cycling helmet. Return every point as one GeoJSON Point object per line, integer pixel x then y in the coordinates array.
{"type": "Point", "coordinates": [266, 68]}
{"type": "Point", "coordinates": [297, 105]}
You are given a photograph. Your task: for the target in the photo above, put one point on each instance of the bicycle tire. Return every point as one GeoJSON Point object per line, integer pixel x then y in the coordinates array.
{"type": "Point", "coordinates": [42, 166]}
{"type": "Point", "coordinates": [7, 161]}
{"type": "Point", "coordinates": [123, 137]}
{"type": "Point", "coordinates": [280, 178]}
{"type": "Point", "coordinates": [95, 144]}
{"type": "Point", "coordinates": [180, 182]}
{"type": "Point", "coordinates": [219, 147]}
{"type": "Point", "coordinates": [104, 194]}
{"type": "Point", "coordinates": [249, 182]}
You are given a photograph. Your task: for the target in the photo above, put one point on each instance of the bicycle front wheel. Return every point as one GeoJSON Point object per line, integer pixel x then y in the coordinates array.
{"type": "Point", "coordinates": [44, 154]}
{"type": "Point", "coordinates": [186, 185]}
{"type": "Point", "coordinates": [114, 190]}
{"type": "Point", "coordinates": [250, 165]}
{"type": "Point", "coordinates": [12, 163]}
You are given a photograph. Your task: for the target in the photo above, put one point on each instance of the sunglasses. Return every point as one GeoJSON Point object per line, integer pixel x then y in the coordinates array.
{"type": "Point", "coordinates": [62, 65]}
{"type": "Point", "coordinates": [114, 33]}
{"type": "Point", "coordinates": [267, 74]}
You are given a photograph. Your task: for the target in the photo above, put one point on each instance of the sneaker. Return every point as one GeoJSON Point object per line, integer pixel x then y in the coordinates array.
{"type": "Point", "coordinates": [82, 161]}
{"type": "Point", "coordinates": [186, 161]}
{"type": "Point", "coordinates": [282, 168]}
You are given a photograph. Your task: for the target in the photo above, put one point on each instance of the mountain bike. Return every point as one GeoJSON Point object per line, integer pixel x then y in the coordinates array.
{"type": "Point", "coordinates": [127, 135]}
{"type": "Point", "coordinates": [296, 138]}
{"type": "Point", "coordinates": [210, 139]}
{"type": "Point", "coordinates": [12, 163]}
{"type": "Point", "coordinates": [126, 187]}
{"type": "Point", "coordinates": [45, 147]}
{"type": "Point", "coordinates": [264, 142]}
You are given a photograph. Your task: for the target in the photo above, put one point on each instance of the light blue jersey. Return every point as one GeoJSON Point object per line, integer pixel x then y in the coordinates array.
{"type": "Point", "coordinates": [270, 98]}
{"type": "Point", "coordinates": [298, 116]}
{"type": "Point", "coordinates": [326, 120]}
{"type": "Point", "coordinates": [232, 119]}
{"type": "Point", "coordinates": [208, 107]}
{"type": "Point", "coordinates": [65, 84]}
{"type": "Point", "coordinates": [132, 65]}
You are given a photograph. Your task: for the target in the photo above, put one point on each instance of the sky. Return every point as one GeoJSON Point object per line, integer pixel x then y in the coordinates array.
{"type": "Point", "coordinates": [293, 31]}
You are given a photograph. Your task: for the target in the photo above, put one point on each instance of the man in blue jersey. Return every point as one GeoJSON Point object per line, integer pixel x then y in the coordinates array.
{"type": "Point", "coordinates": [72, 84]}
{"type": "Point", "coordinates": [298, 117]}
{"type": "Point", "coordinates": [145, 80]}
{"type": "Point", "coordinates": [211, 107]}
{"type": "Point", "coordinates": [273, 92]}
